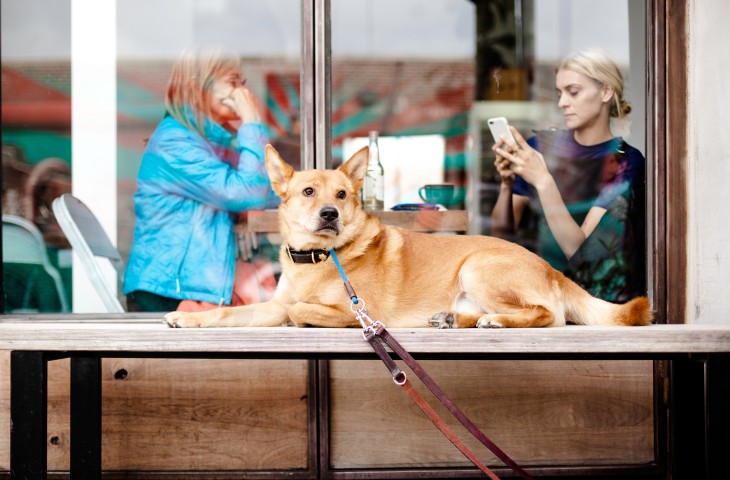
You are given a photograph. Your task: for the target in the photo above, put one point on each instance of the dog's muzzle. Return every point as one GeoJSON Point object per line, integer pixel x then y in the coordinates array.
{"type": "Point", "coordinates": [329, 219]}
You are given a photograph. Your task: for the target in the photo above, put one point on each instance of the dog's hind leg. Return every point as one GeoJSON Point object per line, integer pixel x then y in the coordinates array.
{"type": "Point", "coordinates": [507, 296]}
{"type": "Point", "coordinates": [464, 314]}
{"type": "Point", "coordinates": [534, 316]}
{"type": "Point", "coordinates": [537, 316]}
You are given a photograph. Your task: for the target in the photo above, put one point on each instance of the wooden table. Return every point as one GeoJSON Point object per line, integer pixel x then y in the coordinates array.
{"type": "Point", "coordinates": [87, 339]}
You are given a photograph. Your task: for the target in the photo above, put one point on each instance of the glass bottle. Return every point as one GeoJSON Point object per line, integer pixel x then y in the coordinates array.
{"type": "Point", "coordinates": [373, 189]}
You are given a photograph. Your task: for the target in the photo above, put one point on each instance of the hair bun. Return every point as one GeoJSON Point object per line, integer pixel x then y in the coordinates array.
{"type": "Point", "coordinates": [620, 108]}
{"type": "Point", "coordinates": [625, 108]}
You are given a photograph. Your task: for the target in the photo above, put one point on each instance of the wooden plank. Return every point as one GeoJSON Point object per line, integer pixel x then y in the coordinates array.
{"type": "Point", "coordinates": [598, 413]}
{"type": "Point", "coordinates": [193, 414]}
{"type": "Point", "coordinates": [267, 221]}
{"type": "Point", "coordinates": [183, 414]}
{"type": "Point", "coordinates": [155, 337]}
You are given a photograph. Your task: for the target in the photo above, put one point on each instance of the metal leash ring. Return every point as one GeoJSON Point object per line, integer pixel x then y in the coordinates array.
{"type": "Point", "coordinates": [356, 309]}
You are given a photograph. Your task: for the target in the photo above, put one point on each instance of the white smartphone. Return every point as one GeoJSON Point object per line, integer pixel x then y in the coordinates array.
{"type": "Point", "coordinates": [499, 126]}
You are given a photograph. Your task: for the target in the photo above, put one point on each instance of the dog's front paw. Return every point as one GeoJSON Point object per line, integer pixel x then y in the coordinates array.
{"type": "Point", "coordinates": [485, 323]}
{"type": "Point", "coordinates": [181, 320]}
{"type": "Point", "coordinates": [442, 320]}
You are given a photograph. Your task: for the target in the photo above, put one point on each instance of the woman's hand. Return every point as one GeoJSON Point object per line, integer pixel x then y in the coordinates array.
{"type": "Point", "coordinates": [530, 165]}
{"type": "Point", "coordinates": [523, 160]}
{"type": "Point", "coordinates": [503, 165]}
{"type": "Point", "coordinates": [244, 103]}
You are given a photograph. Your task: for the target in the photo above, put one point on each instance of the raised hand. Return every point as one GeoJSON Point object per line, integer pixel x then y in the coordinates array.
{"type": "Point", "coordinates": [244, 103]}
{"type": "Point", "coordinates": [524, 160]}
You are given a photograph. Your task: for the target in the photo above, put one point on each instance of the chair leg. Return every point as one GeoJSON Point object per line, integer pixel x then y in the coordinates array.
{"type": "Point", "coordinates": [30, 287]}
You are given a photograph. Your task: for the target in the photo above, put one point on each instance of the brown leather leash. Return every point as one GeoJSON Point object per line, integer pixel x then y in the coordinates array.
{"type": "Point", "coordinates": [376, 335]}
{"type": "Point", "coordinates": [399, 377]}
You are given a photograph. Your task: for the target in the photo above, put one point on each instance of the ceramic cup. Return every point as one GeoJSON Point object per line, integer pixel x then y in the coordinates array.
{"type": "Point", "coordinates": [437, 194]}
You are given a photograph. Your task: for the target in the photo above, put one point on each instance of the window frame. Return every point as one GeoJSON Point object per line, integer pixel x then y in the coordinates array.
{"type": "Point", "coordinates": [666, 44]}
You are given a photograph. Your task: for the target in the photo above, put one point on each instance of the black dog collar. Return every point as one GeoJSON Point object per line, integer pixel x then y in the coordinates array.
{"type": "Point", "coordinates": [307, 256]}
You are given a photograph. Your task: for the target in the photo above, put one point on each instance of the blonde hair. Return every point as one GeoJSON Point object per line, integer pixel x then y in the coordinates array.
{"type": "Point", "coordinates": [598, 66]}
{"type": "Point", "coordinates": [192, 76]}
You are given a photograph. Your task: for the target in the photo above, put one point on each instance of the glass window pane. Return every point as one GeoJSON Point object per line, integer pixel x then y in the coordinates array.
{"type": "Point", "coordinates": [412, 81]}
{"type": "Point", "coordinates": [428, 84]}
{"type": "Point", "coordinates": [146, 39]}
{"type": "Point", "coordinates": [36, 152]}
{"type": "Point", "coordinates": [265, 38]}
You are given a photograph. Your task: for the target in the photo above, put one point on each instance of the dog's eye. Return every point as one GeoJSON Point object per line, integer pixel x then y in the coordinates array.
{"type": "Point", "coordinates": [341, 194]}
{"type": "Point", "coordinates": [308, 192]}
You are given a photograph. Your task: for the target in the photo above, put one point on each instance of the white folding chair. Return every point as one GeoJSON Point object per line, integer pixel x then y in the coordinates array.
{"type": "Point", "coordinates": [90, 242]}
{"type": "Point", "coordinates": [23, 243]}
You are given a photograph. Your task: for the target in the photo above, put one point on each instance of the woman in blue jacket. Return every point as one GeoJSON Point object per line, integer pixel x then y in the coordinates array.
{"type": "Point", "coordinates": [203, 165]}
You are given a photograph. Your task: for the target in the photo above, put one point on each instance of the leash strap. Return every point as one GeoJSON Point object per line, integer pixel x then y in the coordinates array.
{"type": "Point", "coordinates": [399, 377]}
{"type": "Point", "coordinates": [375, 333]}
{"type": "Point", "coordinates": [382, 333]}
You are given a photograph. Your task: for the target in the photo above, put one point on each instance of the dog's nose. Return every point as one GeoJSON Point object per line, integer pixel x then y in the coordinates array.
{"type": "Point", "coordinates": [329, 213]}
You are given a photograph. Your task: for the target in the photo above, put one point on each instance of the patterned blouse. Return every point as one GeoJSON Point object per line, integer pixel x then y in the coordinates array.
{"type": "Point", "coordinates": [611, 263]}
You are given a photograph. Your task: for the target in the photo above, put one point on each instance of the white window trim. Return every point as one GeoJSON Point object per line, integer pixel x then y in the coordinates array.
{"type": "Point", "coordinates": [94, 129]}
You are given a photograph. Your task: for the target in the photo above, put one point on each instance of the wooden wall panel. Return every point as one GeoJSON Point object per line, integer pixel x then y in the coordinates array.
{"type": "Point", "coordinates": [552, 412]}
{"type": "Point", "coordinates": [184, 414]}
{"type": "Point", "coordinates": [245, 414]}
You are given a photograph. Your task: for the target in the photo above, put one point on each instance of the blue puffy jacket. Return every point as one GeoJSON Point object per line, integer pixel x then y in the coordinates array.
{"type": "Point", "coordinates": [189, 189]}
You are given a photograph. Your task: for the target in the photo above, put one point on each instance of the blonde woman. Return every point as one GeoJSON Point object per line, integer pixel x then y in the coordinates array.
{"type": "Point", "coordinates": [203, 165]}
{"type": "Point", "coordinates": [586, 185]}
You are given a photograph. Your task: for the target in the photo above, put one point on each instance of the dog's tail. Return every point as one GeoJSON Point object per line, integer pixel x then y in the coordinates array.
{"type": "Point", "coordinates": [584, 309]}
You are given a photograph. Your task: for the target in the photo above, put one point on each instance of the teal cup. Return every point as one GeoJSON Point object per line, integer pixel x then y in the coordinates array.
{"type": "Point", "coordinates": [437, 194]}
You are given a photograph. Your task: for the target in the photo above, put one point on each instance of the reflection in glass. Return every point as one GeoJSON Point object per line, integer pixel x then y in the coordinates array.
{"type": "Point", "coordinates": [428, 84]}
{"type": "Point", "coordinates": [265, 36]}
{"type": "Point", "coordinates": [36, 89]}
{"type": "Point", "coordinates": [36, 149]}
{"type": "Point", "coordinates": [412, 81]}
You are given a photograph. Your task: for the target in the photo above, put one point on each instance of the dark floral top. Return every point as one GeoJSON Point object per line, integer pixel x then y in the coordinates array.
{"type": "Point", "coordinates": [611, 263]}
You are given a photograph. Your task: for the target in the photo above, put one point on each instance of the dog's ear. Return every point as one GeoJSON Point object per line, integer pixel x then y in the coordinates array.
{"type": "Point", "coordinates": [279, 171]}
{"type": "Point", "coordinates": [356, 167]}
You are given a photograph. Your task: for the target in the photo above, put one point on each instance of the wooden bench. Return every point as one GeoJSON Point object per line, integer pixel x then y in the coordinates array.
{"type": "Point", "coordinates": [87, 339]}
{"type": "Point", "coordinates": [354, 421]}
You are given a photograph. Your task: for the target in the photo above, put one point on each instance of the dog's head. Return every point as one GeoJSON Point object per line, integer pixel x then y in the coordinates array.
{"type": "Point", "coordinates": [319, 208]}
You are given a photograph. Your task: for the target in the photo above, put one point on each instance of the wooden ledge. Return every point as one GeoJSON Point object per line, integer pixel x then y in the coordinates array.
{"type": "Point", "coordinates": [154, 337]}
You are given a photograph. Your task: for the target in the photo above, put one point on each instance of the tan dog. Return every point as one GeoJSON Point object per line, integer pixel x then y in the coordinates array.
{"type": "Point", "coordinates": [406, 279]}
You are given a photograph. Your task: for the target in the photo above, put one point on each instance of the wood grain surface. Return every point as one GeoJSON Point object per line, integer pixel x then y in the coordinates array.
{"type": "Point", "coordinates": [202, 414]}
{"type": "Point", "coordinates": [151, 335]}
{"type": "Point", "coordinates": [182, 414]}
{"type": "Point", "coordinates": [556, 413]}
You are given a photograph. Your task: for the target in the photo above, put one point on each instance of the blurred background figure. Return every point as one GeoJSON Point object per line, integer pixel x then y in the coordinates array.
{"type": "Point", "coordinates": [203, 165]}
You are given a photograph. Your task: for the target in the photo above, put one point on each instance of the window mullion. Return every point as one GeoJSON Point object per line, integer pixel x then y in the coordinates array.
{"type": "Point", "coordinates": [322, 91]}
